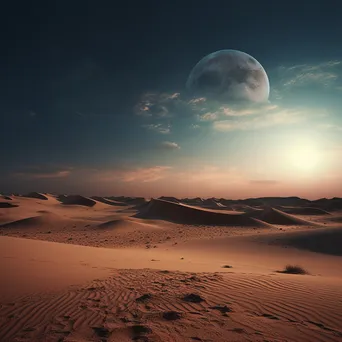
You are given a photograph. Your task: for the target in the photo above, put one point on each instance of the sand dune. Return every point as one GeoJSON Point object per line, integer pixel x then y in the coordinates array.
{"type": "Point", "coordinates": [141, 206]}
{"type": "Point", "coordinates": [324, 240]}
{"type": "Point", "coordinates": [7, 205]}
{"type": "Point", "coordinates": [211, 204]}
{"type": "Point", "coordinates": [169, 199]}
{"type": "Point", "coordinates": [8, 198]}
{"type": "Point", "coordinates": [77, 200]}
{"type": "Point", "coordinates": [127, 225]}
{"type": "Point", "coordinates": [128, 200]}
{"type": "Point", "coordinates": [275, 216]}
{"type": "Point", "coordinates": [304, 211]}
{"type": "Point", "coordinates": [336, 218]}
{"type": "Point", "coordinates": [47, 220]}
{"type": "Point", "coordinates": [36, 195]}
{"type": "Point", "coordinates": [159, 209]}
{"type": "Point", "coordinates": [332, 204]}
{"type": "Point", "coordinates": [108, 201]}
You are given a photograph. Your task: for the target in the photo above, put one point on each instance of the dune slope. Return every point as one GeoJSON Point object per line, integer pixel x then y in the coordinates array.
{"type": "Point", "coordinates": [159, 209]}
{"type": "Point", "coordinates": [275, 216]}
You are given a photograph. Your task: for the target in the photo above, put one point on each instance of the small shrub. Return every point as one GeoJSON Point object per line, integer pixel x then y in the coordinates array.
{"type": "Point", "coordinates": [294, 269]}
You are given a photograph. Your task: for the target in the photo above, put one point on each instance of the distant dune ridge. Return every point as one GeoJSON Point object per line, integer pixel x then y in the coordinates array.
{"type": "Point", "coordinates": [8, 198]}
{"type": "Point", "coordinates": [275, 216]}
{"type": "Point", "coordinates": [76, 200]}
{"type": "Point", "coordinates": [303, 210]}
{"type": "Point", "coordinates": [160, 209]}
{"type": "Point", "coordinates": [169, 199]}
{"type": "Point", "coordinates": [182, 213]}
{"type": "Point", "coordinates": [332, 204]}
{"type": "Point", "coordinates": [36, 195]}
{"type": "Point", "coordinates": [128, 200]}
{"type": "Point", "coordinates": [108, 201]}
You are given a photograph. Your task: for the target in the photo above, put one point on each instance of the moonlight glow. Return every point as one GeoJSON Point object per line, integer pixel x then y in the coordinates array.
{"type": "Point", "coordinates": [304, 158]}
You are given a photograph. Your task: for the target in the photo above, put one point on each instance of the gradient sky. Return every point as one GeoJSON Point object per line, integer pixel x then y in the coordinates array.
{"type": "Point", "coordinates": [93, 100]}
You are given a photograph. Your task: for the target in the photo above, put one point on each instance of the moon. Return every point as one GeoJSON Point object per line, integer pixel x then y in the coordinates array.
{"type": "Point", "coordinates": [229, 75]}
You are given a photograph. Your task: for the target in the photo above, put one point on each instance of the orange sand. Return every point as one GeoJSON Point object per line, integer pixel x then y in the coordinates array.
{"type": "Point", "coordinates": [70, 288]}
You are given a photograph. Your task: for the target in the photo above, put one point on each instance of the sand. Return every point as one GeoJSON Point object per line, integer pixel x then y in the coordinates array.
{"type": "Point", "coordinates": [75, 268]}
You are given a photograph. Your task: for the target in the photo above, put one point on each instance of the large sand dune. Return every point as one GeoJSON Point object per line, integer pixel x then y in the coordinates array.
{"type": "Point", "coordinates": [275, 216]}
{"type": "Point", "coordinates": [36, 195]}
{"type": "Point", "coordinates": [43, 220]}
{"type": "Point", "coordinates": [7, 205]}
{"type": "Point", "coordinates": [9, 198]}
{"type": "Point", "coordinates": [108, 201]}
{"type": "Point", "coordinates": [324, 240]}
{"type": "Point", "coordinates": [77, 200]}
{"type": "Point", "coordinates": [159, 209]}
{"type": "Point", "coordinates": [304, 211]}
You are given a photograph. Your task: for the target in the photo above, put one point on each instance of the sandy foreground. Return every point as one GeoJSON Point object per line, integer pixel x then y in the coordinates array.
{"type": "Point", "coordinates": [78, 269]}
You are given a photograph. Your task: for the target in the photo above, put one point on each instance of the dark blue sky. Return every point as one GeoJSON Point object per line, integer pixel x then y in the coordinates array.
{"type": "Point", "coordinates": [71, 74]}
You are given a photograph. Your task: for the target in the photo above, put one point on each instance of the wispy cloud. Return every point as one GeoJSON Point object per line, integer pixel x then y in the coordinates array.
{"type": "Point", "coordinates": [224, 112]}
{"type": "Point", "coordinates": [170, 145]}
{"type": "Point", "coordinates": [208, 116]}
{"type": "Point", "coordinates": [149, 174]}
{"type": "Point", "coordinates": [325, 75]}
{"type": "Point", "coordinates": [166, 105]}
{"type": "Point", "coordinates": [160, 128]}
{"type": "Point", "coordinates": [46, 175]}
{"type": "Point", "coordinates": [158, 105]}
{"type": "Point", "coordinates": [137, 174]}
{"type": "Point", "coordinates": [273, 118]}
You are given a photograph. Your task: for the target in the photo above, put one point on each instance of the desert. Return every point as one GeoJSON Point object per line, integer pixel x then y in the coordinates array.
{"type": "Point", "coordinates": [171, 171]}
{"type": "Point", "coordinates": [103, 269]}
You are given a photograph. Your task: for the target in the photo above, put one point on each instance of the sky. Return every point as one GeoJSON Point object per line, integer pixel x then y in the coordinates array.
{"type": "Point", "coordinates": [93, 100]}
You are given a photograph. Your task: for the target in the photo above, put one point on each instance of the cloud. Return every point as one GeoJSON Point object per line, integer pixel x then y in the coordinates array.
{"type": "Point", "coordinates": [167, 105]}
{"type": "Point", "coordinates": [46, 175]}
{"type": "Point", "coordinates": [160, 128]}
{"type": "Point", "coordinates": [224, 112]}
{"type": "Point", "coordinates": [134, 174]}
{"type": "Point", "coordinates": [160, 105]}
{"type": "Point", "coordinates": [273, 118]}
{"type": "Point", "coordinates": [197, 100]}
{"type": "Point", "coordinates": [168, 145]}
{"type": "Point", "coordinates": [150, 174]}
{"type": "Point", "coordinates": [323, 75]}
{"type": "Point", "coordinates": [208, 116]}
